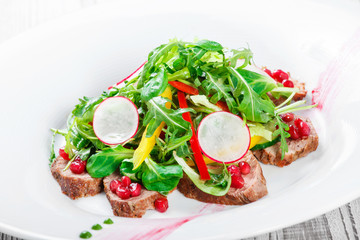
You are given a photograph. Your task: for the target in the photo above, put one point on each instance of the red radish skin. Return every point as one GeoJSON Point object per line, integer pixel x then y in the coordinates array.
{"type": "Point", "coordinates": [161, 204]}
{"type": "Point", "coordinates": [135, 189]}
{"type": "Point", "coordinates": [114, 184]}
{"type": "Point", "coordinates": [207, 155]}
{"type": "Point", "coordinates": [137, 120]}
{"type": "Point", "coordinates": [244, 168]}
{"type": "Point", "coordinates": [128, 76]}
{"type": "Point", "coordinates": [125, 181]}
{"type": "Point", "coordinates": [123, 192]}
{"type": "Point", "coordinates": [63, 154]}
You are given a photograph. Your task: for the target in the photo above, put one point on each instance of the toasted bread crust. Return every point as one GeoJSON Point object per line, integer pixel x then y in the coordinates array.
{"type": "Point", "coordinates": [254, 188]}
{"type": "Point", "coordinates": [297, 149]}
{"type": "Point", "coordinates": [134, 207]}
{"type": "Point", "coordinates": [75, 185]}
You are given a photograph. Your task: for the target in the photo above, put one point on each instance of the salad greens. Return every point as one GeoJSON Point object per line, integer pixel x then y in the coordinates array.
{"type": "Point", "coordinates": [163, 139]}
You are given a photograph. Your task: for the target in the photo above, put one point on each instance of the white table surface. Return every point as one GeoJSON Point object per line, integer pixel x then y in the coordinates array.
{"type": "Point", "coordinates": [18, 16]}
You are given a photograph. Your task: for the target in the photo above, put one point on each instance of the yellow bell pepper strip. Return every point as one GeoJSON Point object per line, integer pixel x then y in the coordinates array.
{"type": "Point", "coordinates": [194, 143]}
{"type": "Point", "coordinates": [147, 144]}
{"type": "Point", "coordinates": [206, 159]}
{"type": "Point", "coordinates": [254, 140]}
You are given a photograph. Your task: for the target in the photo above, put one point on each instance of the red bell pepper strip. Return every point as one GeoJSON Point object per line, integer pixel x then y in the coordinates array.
{"type": "Point", "coordinates": [194, 143]}
{"type": "Point", "coordinates": [128, 76]}
{"type": "Point", "coordinates": [184, 87]}
{"type": "Point", "coordinates": [223, 106]}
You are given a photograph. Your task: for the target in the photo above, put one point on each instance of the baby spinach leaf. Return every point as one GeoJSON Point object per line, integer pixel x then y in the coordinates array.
{"type": "Point", "coordinates": [218, 185]}
{"type": "Point", "coordinates": [107, 161]}
{"type": "Point", "coordinates": [155, 86]}
{"type": "Point", "coordinates": [252, 105]}
{"type": "Point", "coordinates": [126, 169]}
{"type": "Point", "coordinates": [261, 84]}
{"type": "Point", "coordinates": [161, 178]}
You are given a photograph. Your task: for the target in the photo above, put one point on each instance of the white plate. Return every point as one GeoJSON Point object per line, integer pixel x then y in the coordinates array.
{"type": "Point", "coordinates": [44, 71]}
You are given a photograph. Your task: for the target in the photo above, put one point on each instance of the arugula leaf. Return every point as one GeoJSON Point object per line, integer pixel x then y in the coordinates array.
{"type": "Point", "coordinates": [181, 74]}
{"type": "Point", "coordinates": [157, 113]}
{"type": "Point", "coordinates": [161, 178]}
{"type": "Point", "coordinates": [261, 84]}
{"type": "Point", "coordinates": [220, 89]}
{"type": "Point", "coordinates": [202, 100]}
{"type": "Point", "coordinates": [218, 185]}
{"type": "Point", "coordinates": [155, 86]}
{"type": "Point", "coordinates": [107, 161]}
{"type": "Point", "coordinates": [209, 45]}
{"type": "Point", "coordinates": [87, 132]}
{"type": "Point", "coordinates": [282, 132]}
{"type": "Point", "coordinates": [174, 142]}
{"type": "Point", "coordinates": [252, 105]}
{"type": "Point", "coordinates": [52, 150]}
{"type": "Point", "coordinates": [75, 139]}
{"type": "Point", "coordinates": [245, 54]}
{"type": "Point", "coordinates": [153, 59]}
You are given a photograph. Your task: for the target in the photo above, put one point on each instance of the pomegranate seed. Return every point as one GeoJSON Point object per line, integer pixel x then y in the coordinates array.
{"type": "Point", "coordinates": [287, 117]}
{"type": "Point", "coordinates": [303, 127]}
{"type": "Point", "coordinates": [294, 134]}
{"type": "Point", "coordinates": [280, 75]}
{"type": "Point", "coordinates": [63, 154]}
{"type": "Point", "coordinates": [123, 192]}
{"type": "Point", "coordinates": [78, 166]}
{"type": "Point", "coordinates": [161, 204]}
{"type": "Point", "coordinates": [125, 181]}
{"type": "Point", "coordinates": [268, 72]}
{"type": "Point", "coordinates": [114, 184]}
{"type": "Point", "coordinates": [288, 83]}
{"type": "Point", "coordinates": [237, 181]}
{"type": "Point", "coordinates": [244, 167]}
{"type": "Point", "coordinates": [135, 189]}
{"type": "Point", "coordinates": [234, 170]}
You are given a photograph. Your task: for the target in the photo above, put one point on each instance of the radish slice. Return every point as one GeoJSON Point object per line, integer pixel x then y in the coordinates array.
{"type": "Point", "coordinates": [223, 137]}
{"type": "Point", "coordinates": [116, 120]}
